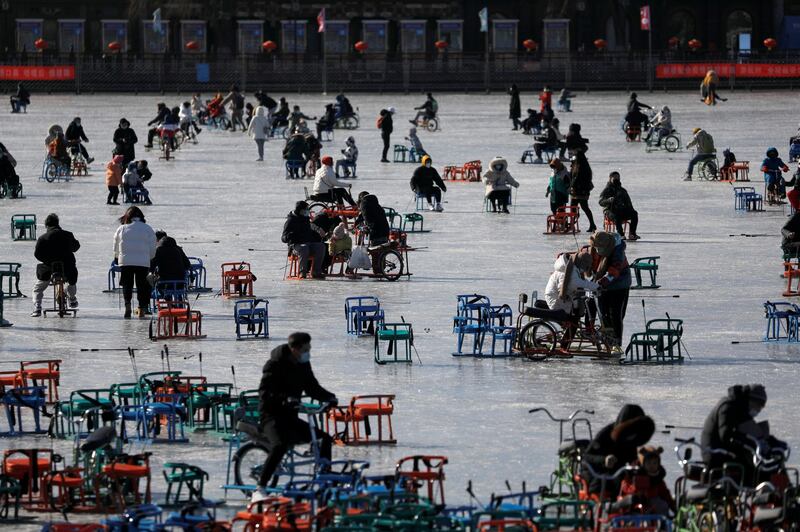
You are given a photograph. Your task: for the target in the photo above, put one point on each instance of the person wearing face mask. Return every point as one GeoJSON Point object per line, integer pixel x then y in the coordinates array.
{"type": "Point", "coordinates": [304, 240]}
{"type": "Point", "coordinates": [618, 207]}
{"type": "Point", "coordinates": [498, 185]}
{"type": "Point", "coordinates": [731, 426]}
{"type": "Point", "coordinates": [286, 378]}
{"type": "Point", "coordinates": [427, 182]}
{"type": "Point", "coordinates": [547, 139]}
{"type": "Point", "coordinates": [124, 141]}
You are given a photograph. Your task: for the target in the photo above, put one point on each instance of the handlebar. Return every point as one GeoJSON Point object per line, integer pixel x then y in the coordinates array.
{"type": "Point", "coordinates": [613, 476]}
{"type": "Point", "coordinates": [561, 420]}
{"type": "Point", "coordinates": [683, 443]}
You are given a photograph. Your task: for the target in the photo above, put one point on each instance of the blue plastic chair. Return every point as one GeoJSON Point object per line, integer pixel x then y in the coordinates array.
{"type": "Point", "coordinates": [198, 271]}
{"type": "Point", "coordinates": [363, 315]}
{"type": "Point", "coordinates": [168, 291]}
{"type": "Point", "coordinates": [782, 321]}
{"type": "Point", "coordinates": [27, 397]}
{"type": "Point", "coordinates": [253, 314]}
{"type": "Point", "coordinates": [293, 168]}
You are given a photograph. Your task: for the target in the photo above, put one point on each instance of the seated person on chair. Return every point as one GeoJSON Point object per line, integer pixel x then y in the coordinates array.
{"type": "Point", "coordinates": [791, 236]}
{"type": "Point", "coordinates": [21, 99]}
{"type": "Point", "coordinates": [303, 240]}
{"type": "Point", "coordinates": [705, 150]}
{"type": "Point", "coordinates": [343, 107]}
{"type": "Point", "coordinates": [660, 127]}
{"type": "Point", "coordinates": [727, 162]}
{"type": "Point", "coordinates": [772, 167]}
{"type": "Point", "coordinates": [547, 139]}
{"type": "Point", "coordinates": [413, 139]}
{"type": "Point", "coordinates": [162, 112]}
{"type": "Point", "coordinates": [563, 288]}
{"type": "Point", "coordinates": [58, 150]}
{"type": "Point", "coordinates": [297, 116]}
{"type": "Point", "coordinates": [646, 485]}
{"type": "Point", "coordinates": [56, 245]}
{"type": "Point", "coordinates": [558, 186]}
{"type": "Point", "coordinates": [170, 262]}
{"type": "Point", "coordinates": [565, 99]}
{"type": "Point", "coordinates": [52, 133]}
{"type": "Point", "coordinates": [75, 136]}
{"type": "Point", "coordinates": [574, 141]}
{"type": "Point", "coordinates": [498, 183]}
{"type": "Point", "coordinates": [793, 194]}
{"type": "Point", "coordinates": [132, 183]}
{"type": "Point", "coordinates": [427, 182]}
{"type": "Point", "coordinates": [348, 162]}
{"type": "Point", "coordinates": [312, 151]}
{"type": "Point", "coordinates": [324, 224]}
{"type": "Point", "coordinates": [7, 173]}
{"type": "Point", "coordinates": [286, 378]}
{"type": "Point", "coordinates": [427, 110]}
{"type": "Point", "coordinates": [295, 151]}
{"type": "Point", "coordinates": [328, 188]}
{"type": "Point", "coordinates": [281, 117]}
{"type": "Point", "coordinates": [635, 121]}
{"type": "Point", "coordinates": [615, 446]}
{"type": "Point", "coordinates": [531, 123]}
{"type": "Point", "coordinates": [618, 207]}
{"type": "Point", "coordinates": [731, 426]}
{"type": "Point", "coordinates": [340, 242]}
{"type": "Point", "coordinates": [373, 218]}
{"type": "Point", "coordinates": [326, 122]}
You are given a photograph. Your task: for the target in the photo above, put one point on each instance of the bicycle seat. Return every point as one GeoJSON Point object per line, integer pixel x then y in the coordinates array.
{"type": "Point", "coordinates": [767, 515]}
{"type": "Point", "coordinates": [249, 428]}
{"type": "Point", "coordinates": [570, 446]}
{"type": "Point", "coordinates": [697, 493]}
{"type": "Point", "coordinates": [545, 313]}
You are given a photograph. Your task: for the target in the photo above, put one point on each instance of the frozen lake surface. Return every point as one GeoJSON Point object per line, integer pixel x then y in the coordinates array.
{"type": "Point", "coordinates": [219, 203]}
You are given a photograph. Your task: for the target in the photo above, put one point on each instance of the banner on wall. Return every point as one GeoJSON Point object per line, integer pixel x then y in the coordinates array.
{"type": "Point", "coordinates": [725, 70]}
{"type": "Point", "coordinates": [34, 73]}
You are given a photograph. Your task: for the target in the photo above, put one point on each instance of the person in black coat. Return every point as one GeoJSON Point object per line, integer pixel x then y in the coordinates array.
{"type": "Point", "coordinates": [618, 207]}
{"type": "Point", "coordinates": [790, 233]}
{"type": "Point", "coordinates": [7, 173]}
{"type": "Point", "coordinates": [633, 103]}
{"type": "Point", "coordinates": [163, 113]}
{"type": "Point", "coordinates": [547, 139]}
{"type": "Point", "coordinates": [327, 120]}
{"type": "Point", "coordinates": [427, 182]}
{"type": "Point", "coordinates": [386, 125]}
{"type": "Point", "coordinates": [615, 446]}
{"type": "Point", "coordinates": [170, 261]}
{"type": "Point", "coordinates": [21, 100]}
{"type": "Point", "coordinates": [372, 215]}
{"type": "Point", "coordinates": [580, 186]}
{"type": "Point", "coordinates": [56, 245]}
{"type": "Point", "coordinates": [574, 141]}
{"type": "Point", "coordinates": [731, 426]}
{"type": "Point", "coordinates": [514, 107]}
{"type": "Point", "coordinates": [124, 142]}
{"type": "Point", "coordinates": [286, 378]}
{"type": "Point", "coordinates": [75, 135]}
{"type": "Point", "coordinates": [303, 240]}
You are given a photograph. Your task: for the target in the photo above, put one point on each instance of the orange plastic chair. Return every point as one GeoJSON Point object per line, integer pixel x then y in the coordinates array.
{"type": "Point", "coordinates": [254, 515]}
{"type": "Point", "coordinates": [351, 425]}
{"type": "Point", "coordinates": [43, 370]}
{"type": "Point", "coordinates": [472, 171]}
{"type": "Point", "coordinates": [237, 280]}
{"type": "Point", "coordinates": [414, 472]}
{"type": "Point", "coordinates": [126, 474]}
{"type": "Point", "coordinates": [564, 221]}
{"type": "Point", "coordinates": [175, 319]}
{"type": "Point", "coordinates": [500, 525]}
{"type": "Point", "coordinates": [29, 467]}
{"type": "Point", "coordinates": [792, 273]}
{"type": "Point", "coordinates": [610, 227]}
{"type": "Point", "coordinates": [293, 267]}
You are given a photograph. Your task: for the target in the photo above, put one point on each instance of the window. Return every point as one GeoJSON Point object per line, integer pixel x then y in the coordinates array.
{"type": "Point", "coordinates": [70, 35]}
{"type": "Point", "coordinates": [738, 22]}
{"type": "Point", "coordinates": [294, 36]}
{"type": "Point", "coordinates": [251, 36]}
{"type": "Point", "coordinates": [681, 25]}
{"type": "Point", "coordinates": [155, 37]}
{"type": "Point", "coordinates": [451, 31]}
{"type": "Point", "coordinates": [505, 35]}
{"type": "Point", "coordinates": [375, 35]}
{"type": "Point", "coordinates": [337, 36]}
{"type": "Point", "coordinates": [28, 30]}
{"type": "Point", "coordinates": [412, 36]}
{"type": "Point", "coordinates": [193, 30]}
{"type": "Point", "coordinates": [556, 34]}
{"type": "Point", "coordinates": [115, 30]}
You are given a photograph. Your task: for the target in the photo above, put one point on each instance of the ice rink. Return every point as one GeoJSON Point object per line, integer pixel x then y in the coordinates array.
{"type": "Point", "coordinates": [220, 204]}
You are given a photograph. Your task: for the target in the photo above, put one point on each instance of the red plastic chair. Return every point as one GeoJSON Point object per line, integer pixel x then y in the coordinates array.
{"type": "Point", "coordinates": [415, 472]}
{"type": "Point", "coordinates": [237, 280]}
{"type": "Point", "coordinates": [564, 221]}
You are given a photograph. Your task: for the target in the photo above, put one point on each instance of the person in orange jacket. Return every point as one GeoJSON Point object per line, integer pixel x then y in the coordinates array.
{"type": "Point", "coordinates": [114, 179]}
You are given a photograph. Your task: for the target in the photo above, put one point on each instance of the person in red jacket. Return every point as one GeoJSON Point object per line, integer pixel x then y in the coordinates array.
{"type": "Point", "coordinates": [546, 97]}
{"type": "Point", "coordinates": [647, 486]}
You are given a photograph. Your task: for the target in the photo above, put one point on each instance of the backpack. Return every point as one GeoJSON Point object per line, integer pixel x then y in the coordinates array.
{"type": "Point", "coordinates": [379, 123]}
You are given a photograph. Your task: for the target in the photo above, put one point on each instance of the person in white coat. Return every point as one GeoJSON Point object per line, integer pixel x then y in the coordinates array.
{"type": "Point", "coordinates": [328, 188]}
{"type": "Point", "coordinates": [344, 165]}
{"type": "Point", "coordinates": [134, 248]}
{"type": "Point", "coordinates": [498, 185]}
{"type": "Point", "coordinates": [259, 130]}
{"type": "Point", "coordinates": [563, 286]}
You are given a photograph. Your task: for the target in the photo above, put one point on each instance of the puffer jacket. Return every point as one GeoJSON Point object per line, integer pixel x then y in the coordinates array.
{"type": "Point", "coordinates": [325, 179]}
{"type": "Point", "coordinates": [425, 178]}
{"type": "Point", "coordinates": [703, 141]}
{"type": "Point", "coordinates": [135, 244]}
{"type": "Point", "coordinates": [259, 125]}
{"type": "Point", "coordinates": [170, 260]}
{"type": "Point", "coordinates": [618, 272]}
{"type": "Point", "coordinates": [295, 149]}
{"type": "Point", "coordinates": [615, 198]}
{"type": "Point", "coordinates": [663, 120]}
{"type": "Point", "coordinates": [113, 174]}
{"type": "Point", "coordinates": [552, 293]}
{"type": "Point", "coordinates": [498, 179]}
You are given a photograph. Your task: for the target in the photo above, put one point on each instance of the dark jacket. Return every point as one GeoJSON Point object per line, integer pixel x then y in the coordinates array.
{"type": "Point", "coordinates": [619, 439]}
{"type": "Point", "coordinates": [425, 178]}
{"type": "Point", "coordinates": [297, 230]}
{"type": "Point", "coordinates": [282, 379]}
{"type": "Point", "coordinates": [124, 140]}
{"type": "Point", "coordinates": [387, 124]}
{"type": "Point", "coordinates": [633, 103]}
{"type": "Point", "coordinates": [574, 140]}
{"type": "Point", "coordinates": [614, 198]}
{"type": "Point", "coordinates": [720, 430]}
{"type": "Point", "coordinates": [374, 217]}
{"type": "Point", "coordinates": [636, 118]}
{"type": "Point", "coordinates": [265, 101]}
{"type": "Point", "coordinates": [170, 260]}
{"type": "Point", "coordinates": [160, 118]}
{"type": "Point", "coordinates": [581, 185]}
{"type": "Point", "coordinates": [547, 137]}
{"type": "Point", "coordinates": [56, 245]}
{"type": "Point", "coordinates": [144, 173]}
{"type": "Point", "coordinates": [75, 133]}
{"type": "Point", "coordinates": [23, 95]}
{"type": "Point", "coordinates": [792, 226]}
{"type": "Point", "coordinates": [283, 111]}
{"type": "Point", "coordinates": [295, 148]}
{"type": "Point", "coordinates": [514, 106]}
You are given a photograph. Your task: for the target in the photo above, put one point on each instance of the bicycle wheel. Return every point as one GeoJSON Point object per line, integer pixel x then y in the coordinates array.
{"type": "Point", "coordinates": [224, 122]}
{"type": "Point", "coordinates": [51, 172]}
{"type": "Point", "coordinates": [537, 339]}
{"type": "Point", "coordinates": [61, 300]}
{"type": "Point", "coordinates": [315, 208]}
{"type": "Point", "coordinates": [180, 137]}
{"type": "Point", "coordinates": [432, 125]}
{"type": "Point", "coordinates": [709, 169]}
{"type": "Point", "coordinates": [671, 143]}
{"type": "Point", "coordinates": [390, 265]}
{"type": "Point", "coordinates": [708, 522]}
{"type": "Point", "coordinates": [247, 463]}
{"type": "Point", "coordinates": [350, 122]}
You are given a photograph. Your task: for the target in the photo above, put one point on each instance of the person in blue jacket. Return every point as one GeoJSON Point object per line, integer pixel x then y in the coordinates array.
{"type": "Point", "coordinates": [772, 168]}
{"type": "Point", "coordinates": [613, 273]}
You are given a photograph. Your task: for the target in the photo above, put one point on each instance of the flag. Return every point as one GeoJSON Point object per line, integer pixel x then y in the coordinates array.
{"type": "Point", "coordinates": [157, 20]}
{"type": "Point", "coordinates": [321, 21]}
{"type": "Point", "coordinates": [483, 14]}
{"type": "Point", "coordinates": [644, 18]}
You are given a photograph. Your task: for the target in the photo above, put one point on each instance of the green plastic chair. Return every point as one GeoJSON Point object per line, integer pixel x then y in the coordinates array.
{"type": "Point", "coordinates": [397, 335]}
{"type": "Point", "coordinates": [181, 474]}
{"type": "Point", "coordinates": [23, 227]}
{"type": "Point", "coordinates": [648, 265]}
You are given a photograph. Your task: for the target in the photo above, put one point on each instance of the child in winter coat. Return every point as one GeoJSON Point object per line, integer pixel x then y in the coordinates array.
{"type": "Point", "coordinates": [558, 187]}
{"type": "Point", "coordinates": [114, 179]}
{"type": "Point", "coordinates": [132, 184]}
{"type": "Point", "coordinates": [498, 185]}
{"type": "Point", "coordinates": [340, 242]}
{"type": "Point", "coordinates": [413, 139]}
{"type": "Point", "coordinates": [647, 486]}
{"type": "Point", "coordinates": [562, 289]}
{"type": "Point", "coordinates": [772, 167]}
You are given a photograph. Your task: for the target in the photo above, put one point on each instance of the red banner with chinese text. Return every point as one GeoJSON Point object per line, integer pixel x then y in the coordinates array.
{"type": "Point", "coordinates": [37, 73]}
{"type": "Point", "coordinates": [725, 70]}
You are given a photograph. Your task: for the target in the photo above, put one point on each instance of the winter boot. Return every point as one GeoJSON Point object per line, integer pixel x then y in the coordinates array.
{"type": "Point", "coordinates": [127, 311]}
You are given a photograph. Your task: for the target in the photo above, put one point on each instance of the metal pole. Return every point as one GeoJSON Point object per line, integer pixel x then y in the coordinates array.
{"type": "Point", "coordinates": [650, 56]}
{"type": "Point", "coordinates": [324, 68]}
{"type": "Point", "coordinates": [486, 61]}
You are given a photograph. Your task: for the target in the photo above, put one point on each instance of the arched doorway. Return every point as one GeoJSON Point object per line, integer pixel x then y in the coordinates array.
{"type": "Point", "coordinates": [738, 22]}
{"type": "Point", "coordinates": [681, 24]}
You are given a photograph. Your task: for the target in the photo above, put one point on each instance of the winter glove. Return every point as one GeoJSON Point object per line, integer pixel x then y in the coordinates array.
{"type": "Point", "coordinates": [603, 282]}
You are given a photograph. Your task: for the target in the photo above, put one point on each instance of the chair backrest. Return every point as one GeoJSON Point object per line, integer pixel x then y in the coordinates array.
{"type": "Point", "coordinates": [228, 267]}
{"type": "Point", "coordinates": [470, 305]}
{"type": "Point", "coordinates": [568, 210]}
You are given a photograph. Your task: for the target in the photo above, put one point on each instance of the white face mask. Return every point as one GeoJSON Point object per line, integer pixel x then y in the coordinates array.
{"type": "Point", "coordinates": [305, 357]}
